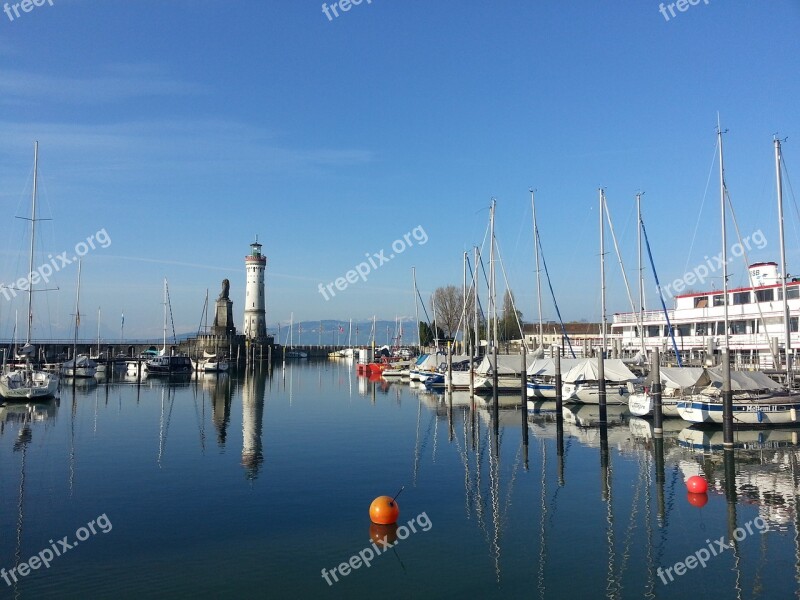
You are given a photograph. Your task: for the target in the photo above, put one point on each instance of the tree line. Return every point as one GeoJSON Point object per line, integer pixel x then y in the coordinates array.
{"type": "Point", "coordinates": [451, 316]}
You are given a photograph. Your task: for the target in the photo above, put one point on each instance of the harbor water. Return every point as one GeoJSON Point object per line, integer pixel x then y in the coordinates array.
{"type": "Point", "coordinates": [258, 485]}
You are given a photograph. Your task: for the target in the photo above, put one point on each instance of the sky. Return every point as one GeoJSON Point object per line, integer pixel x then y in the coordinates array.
{"type": "Point", "coordinates": [177, 131]}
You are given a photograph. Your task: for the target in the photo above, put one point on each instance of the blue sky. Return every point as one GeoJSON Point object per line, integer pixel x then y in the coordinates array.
{"type": "Point", "coordinates": [185, 128]}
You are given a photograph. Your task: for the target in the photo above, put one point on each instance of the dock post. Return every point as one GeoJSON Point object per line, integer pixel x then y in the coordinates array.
{"type": "Point", "coordinates": [496, 405]}
{"type": "Point", "coordinates": [601, 384]}
{"type": "Point", "coordinates": [523, 381]}
{"type": "Point", "coordinates": [727, 401]}
{"type": "Point", "coordinates": [559, 417]}
{"type": "Point", "coordinates": [559, 395]}
{"type": "Point", "coordinates": [523, 401]}
{"type": "Point", "coordinates": [472, 371]}
{"type": "Point", "coordinates": [658, 410]}
{"type": "Point", "coordinates": [449, 382]}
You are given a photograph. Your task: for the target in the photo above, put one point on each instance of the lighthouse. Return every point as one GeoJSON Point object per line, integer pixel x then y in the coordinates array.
{"type": "Point", "coordinates": [255, 318]}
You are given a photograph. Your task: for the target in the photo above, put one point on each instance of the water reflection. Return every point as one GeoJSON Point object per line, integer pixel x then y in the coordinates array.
{"type": "Point", "coordinates": [253, 392]}
{"type": "Point", "coordinates": [221, 390]}
{"type": "Point", "coordinates": [764, 466]}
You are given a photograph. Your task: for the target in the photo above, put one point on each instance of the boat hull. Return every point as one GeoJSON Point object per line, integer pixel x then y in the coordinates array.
{"type": "Point", "coordinates": [538, 389]}
{"type": "Point", "coordinates": [641, 405]}
{"type": "Point", "coordinates": [755, 412]}
{"type": "Point", "coordinates": [15, 386]}
{"type": "Point", "coordinates": [585, 393]}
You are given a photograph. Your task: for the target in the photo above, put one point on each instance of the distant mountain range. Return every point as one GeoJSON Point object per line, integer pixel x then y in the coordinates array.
{"type": "Point", "coordinates": [330, 332]}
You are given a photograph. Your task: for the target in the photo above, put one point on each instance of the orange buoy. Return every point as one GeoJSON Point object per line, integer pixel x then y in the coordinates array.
{"type": "Point", "coordinates": [696, 484]}
{"type": "Point", "coordinates": [698, 500]}
{"type": "Point", "coordinates": [384, 510]}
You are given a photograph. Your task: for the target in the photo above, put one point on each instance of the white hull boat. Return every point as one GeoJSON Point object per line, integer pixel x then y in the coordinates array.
{"type": "Point", "coordinates": [27, 384]}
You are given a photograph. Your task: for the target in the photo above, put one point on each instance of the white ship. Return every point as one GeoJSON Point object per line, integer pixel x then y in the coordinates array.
{"type": "Point", "coordinates": [756, 322]}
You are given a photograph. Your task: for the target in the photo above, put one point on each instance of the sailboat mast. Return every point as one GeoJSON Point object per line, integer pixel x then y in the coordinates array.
{"type": "Point", "coordinates": [416, 308]}
{"type": "Point", "coordinates": [77, 320]}
{"type": "Point", "coordinates": [435, 326]}
{"type": "Point", "coordinates": [165, 316]}
{"type": "Point", "coordinates": [786, 320]}
{"type": "Point", "coordinates": [603, 269]}
{"type": "Point", "coordinates": [639, 256]}
{"type": "Point", "coordinates": [98, 331]}
{"type": "Point", "coordinates": [33, 238]}
{"type": "Point", "coordinates": [492, 288]}
{"type": "Point", "coordinates": [540, 342]}
{"type": "Point", "coordinates": [464, 304]}
{"type": "Point", "coordinates": [475, 303]}
{"type": "Point", "coordinates": [724, 233]}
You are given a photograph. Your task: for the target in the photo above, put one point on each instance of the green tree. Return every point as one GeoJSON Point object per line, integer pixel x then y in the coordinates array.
{"type": "Point", "coordinates": [509, 324]}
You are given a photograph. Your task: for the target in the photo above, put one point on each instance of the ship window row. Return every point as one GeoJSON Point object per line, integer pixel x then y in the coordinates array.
{"type": "Point", "coordinates": [739, 298]}
{"type": "Point", "coordinates": [736, 327]}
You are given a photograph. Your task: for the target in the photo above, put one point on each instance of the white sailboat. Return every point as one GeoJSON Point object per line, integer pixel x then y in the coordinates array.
{"type": "Point", "coordinates": [29, 383]}
{"type": "Point", "coordinates": [80, 365]}
{"type": "Point", "coordinates": [292, 353]}
{"type": "Point", "coordinates": [757, 399]}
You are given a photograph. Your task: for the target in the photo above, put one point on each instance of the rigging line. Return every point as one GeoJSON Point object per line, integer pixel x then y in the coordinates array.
{"type": "Point", "coordinates": [775, 357]}
{"type": "Point", "coordinates": [511, 296]}
{"type": "Point", "coordinates": [702, 203]}
{"type": "Point", "coordinates": [553, 295]}
{"type": "Point", "coordinates": [785, 172]}
{"type": "Point", "coordinates": [661, 297]}
{"type": "Point", "coordinates": [624, 276]}
{"type": "Point", "coordinates": [171, 320]}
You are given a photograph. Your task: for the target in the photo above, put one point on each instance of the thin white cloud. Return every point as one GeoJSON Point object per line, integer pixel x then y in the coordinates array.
{"type": "Point", "coordinates": [122, 82]}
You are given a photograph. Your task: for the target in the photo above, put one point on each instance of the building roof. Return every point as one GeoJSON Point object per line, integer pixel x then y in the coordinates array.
{"type": "Point", "coordinates": [574, 328]}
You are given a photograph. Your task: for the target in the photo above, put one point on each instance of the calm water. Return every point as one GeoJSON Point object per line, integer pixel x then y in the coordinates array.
{"type": "Point", "coordinates": [248, 486]}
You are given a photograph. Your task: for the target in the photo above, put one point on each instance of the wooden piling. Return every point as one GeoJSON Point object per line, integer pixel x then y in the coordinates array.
{"type": "Point", "coordinates": [658, 411]}
{"type": "Point", "coordinates": [559, 394]}
{"type": "Point", "coordinates": [727, 402]}
{"type": "Point", "coordinates": [524, 405]}
{"type": "Point", "coordinates": [601, 383]}
{"type": "Point", "coordinates": [449, 382]}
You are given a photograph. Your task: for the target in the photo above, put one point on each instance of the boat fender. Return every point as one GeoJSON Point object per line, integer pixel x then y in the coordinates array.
{"type": "Point", "coordinates": [621, 391]}
{"type": "Point", "coordinates": [760, 416]}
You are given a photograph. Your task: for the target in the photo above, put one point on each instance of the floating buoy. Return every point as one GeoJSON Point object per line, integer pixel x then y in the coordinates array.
{"type": "Point", "coordinates": [384, 510]}
{"type": "Point", "coordinates": [698, 500]}
{"type": "Point", "coordinates": [696, 484]}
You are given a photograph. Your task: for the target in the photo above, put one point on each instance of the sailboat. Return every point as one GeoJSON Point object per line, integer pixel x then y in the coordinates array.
{"type": "Point", "coordinates": [292, 353]}
{"type": "Point", "coordinates": [168, 364]}
{"type": "Point", "coordinates": [80, 365]}
{"type": "Point", "coordinates": [29, 383]}
{"type": "Point", "coordinates": [755, 401]}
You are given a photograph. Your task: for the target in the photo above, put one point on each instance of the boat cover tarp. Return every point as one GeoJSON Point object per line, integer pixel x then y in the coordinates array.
{"type": "Point", "coordinates": [546, 367]}
{"type": "Point", "coordinates": [744, 380]}
{"type": "Point", "coordinates": [681, 378]}
{"type": "Point", "coordinates": [432, 361]}
{"type": "Point", "coordinates": [586, 370]}
{"type": "Point", "coordinates": [506, 364]}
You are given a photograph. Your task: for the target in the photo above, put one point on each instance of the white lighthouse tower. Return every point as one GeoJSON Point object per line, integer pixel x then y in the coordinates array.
{"type": "Point", "coordinates": [255, 316]}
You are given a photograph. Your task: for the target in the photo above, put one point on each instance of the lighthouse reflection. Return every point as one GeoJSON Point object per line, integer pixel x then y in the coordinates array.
{"type": "Point", "coordinates": [253, 391]}
{"type": "Point", "coordinates": [221, 391]}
